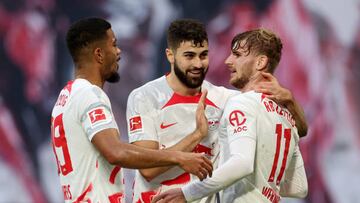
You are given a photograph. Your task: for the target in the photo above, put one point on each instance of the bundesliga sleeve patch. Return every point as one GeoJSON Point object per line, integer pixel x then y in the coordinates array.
{"type": "Point", "coordinates": [98, 115]}
{"type": "Point", "coordinates": [135, 124]}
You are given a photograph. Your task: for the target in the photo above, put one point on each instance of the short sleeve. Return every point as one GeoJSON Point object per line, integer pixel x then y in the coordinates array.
{"type": "Point", "coordinates": [140, 117]}
{"type": "Point", "coordinates": [95, 112]}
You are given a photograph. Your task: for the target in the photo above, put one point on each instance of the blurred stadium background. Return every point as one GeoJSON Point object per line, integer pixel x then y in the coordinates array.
{"type": "Point", "coordinates": [320, 64]}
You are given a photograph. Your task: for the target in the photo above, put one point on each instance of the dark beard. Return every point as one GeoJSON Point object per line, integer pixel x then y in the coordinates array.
{"type": "Point", "coordinates": [189, 82]}
{"type": "Point", "coordinates": [113, 78]}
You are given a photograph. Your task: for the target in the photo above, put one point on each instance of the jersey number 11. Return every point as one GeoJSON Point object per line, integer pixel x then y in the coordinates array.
{"type": "Point", "coordinates": [287, 136]}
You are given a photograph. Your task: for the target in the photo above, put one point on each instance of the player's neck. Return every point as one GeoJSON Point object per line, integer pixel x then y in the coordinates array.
{"type": "Point", "coordinates": [253, 81]}
{"type": "Point", "coordinates": [90, 74]}
{"type": "Point", "coordinates": [177, 86]}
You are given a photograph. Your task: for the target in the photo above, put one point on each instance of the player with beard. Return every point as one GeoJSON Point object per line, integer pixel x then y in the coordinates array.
{"type": "Point", "coordinates": [260, 155]}
{"type": "Point", "coordinates": [161, 113]}
{"type": "Point", "coordinates": [85, 136]}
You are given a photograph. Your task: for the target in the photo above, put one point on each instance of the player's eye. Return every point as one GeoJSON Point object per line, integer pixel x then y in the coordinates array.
{"type": "Point", "coordinates": [236, 54]}
{"type": "Point", "coordinates": [189, 56]}
{"type": "Point", "coordinates": [204, 55]}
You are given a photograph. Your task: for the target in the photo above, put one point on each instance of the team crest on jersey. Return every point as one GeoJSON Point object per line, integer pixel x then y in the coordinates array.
{"type": "Point", "coordinates": [135, 124]}
{"type": "Point", "coordinates": [97, 115]}
{"type": "Point", "coordinates": [237, 119]}
{"type": "Point", "coordinates": [213, 124]}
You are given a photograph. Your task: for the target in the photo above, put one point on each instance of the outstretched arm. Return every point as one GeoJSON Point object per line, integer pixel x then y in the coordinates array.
{"type": "Point", "coordinates": [283, 96]}
{"type": "Point", "coordinates": [127, 155]}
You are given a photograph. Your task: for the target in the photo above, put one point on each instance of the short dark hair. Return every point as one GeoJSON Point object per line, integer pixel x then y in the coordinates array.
{"type": "Point", "coordinates": [260, 41]}
{"type": "Point", "coordinates": [85, 32]}
{"type": "Point", "coordinates": [186, 30]}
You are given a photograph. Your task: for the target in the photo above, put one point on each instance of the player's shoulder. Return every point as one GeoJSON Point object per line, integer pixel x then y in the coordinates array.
{"type": "Point", "coordinates": [218, 92]}
{"type": "Point", "coordinates": [247, 102]}
{"type": "Point", "coordinates": [151, 86]}
{"type": "Point", "coordinates": [217, 89]}
{"type": "Point", "coordinates": [152, 92]}
{"type": "Point", "coordinates": [83, 89]}
{"type": "Point", "coordinates": [247, 96]}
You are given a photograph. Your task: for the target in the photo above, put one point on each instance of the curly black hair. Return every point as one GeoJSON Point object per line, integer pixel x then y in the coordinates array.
{"type": "Point", "coordinates": [186, 30]}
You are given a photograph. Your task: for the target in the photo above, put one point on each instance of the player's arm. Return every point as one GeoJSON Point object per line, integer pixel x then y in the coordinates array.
{"type": "Point", "coordinates": [242, 160]}
{"type": "Point", "coordinates": [295, 183]}
{"type": "Point", "coordinates": [242, 147]}
{"type": "Point", "coordinates": [96, 118]}
{"type": "Point", "coordinates": [284, 96]}
{"type": "Point", "coordinates": [186, 145]}
{"type": "Point", "coordinates": [129, 156]}
{"type": "Point", "coordinates": [298, 114]}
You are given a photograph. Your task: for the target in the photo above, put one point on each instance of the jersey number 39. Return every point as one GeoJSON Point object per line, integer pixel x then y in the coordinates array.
{"type": "Point", "coordinates": [59, 141]}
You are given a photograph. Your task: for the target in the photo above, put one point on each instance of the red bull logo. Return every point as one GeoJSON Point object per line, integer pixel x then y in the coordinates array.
{"type": "Point", "coordinates": [213, 124]}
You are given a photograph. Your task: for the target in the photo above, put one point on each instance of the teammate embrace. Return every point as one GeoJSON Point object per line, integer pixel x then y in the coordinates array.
{"type": "Point", "coordinates": [174, 115]}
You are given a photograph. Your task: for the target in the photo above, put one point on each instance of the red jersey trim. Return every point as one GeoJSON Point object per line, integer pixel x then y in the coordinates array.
{"type": "Point", "coordinates": [179, 99]}
{"type": "Point", "coordinates": [81, 198]}
{"type": "Point", "coordinates": [263, 96]}
{"type": "Point", "coordinates": [116, 198]}
{"type": "Point", "coordinates": [69, 86]}
{"type": "Point", "coordinates": [113, 174]}
{"type": "Point", "coordinates": [181, 179]}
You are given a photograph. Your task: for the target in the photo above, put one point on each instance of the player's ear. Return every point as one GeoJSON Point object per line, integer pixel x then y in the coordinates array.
{"type": "Point", "coordinates": [170, 55]}
{"type": "Point", "coordinates": [261, 62]}
{"type": "Point", "coordinates": [98, 54]}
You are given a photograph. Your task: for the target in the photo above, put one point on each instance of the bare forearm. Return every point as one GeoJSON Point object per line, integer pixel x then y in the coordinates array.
{"type": "Point", "coordinates": [186, 145]}
{"type": "Point", "coordinates": [299, 117]}
{"type": "Point", "coordinates": [127, 155]}
{"type": "Point", "coordinates": [131, 156]}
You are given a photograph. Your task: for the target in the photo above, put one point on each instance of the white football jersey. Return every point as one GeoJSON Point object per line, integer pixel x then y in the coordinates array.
{"type": "Point", "coordinates": [273, 128]}
{"type": "Point", "coordinates": [82, 110]}
{"type": "Point", "coordinates": [155, 112]}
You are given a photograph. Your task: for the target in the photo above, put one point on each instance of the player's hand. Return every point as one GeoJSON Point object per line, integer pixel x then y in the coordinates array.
{"type": "Point", "coordinates": [273, 90]}
{"type": "Point", "coordinates": [201, 120]}
{"type": "Point", "coordinates": [171, 196]}
{"type": "Point", "coordinates": [196, 164]}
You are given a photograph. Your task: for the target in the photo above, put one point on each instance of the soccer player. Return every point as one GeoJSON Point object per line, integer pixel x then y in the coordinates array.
{"type": "Point", "coordinates": [165, 109]}
{"type": "Point", "coordinates": [85, 136]}
{"type": "Point", "coordinates": [259, 145]}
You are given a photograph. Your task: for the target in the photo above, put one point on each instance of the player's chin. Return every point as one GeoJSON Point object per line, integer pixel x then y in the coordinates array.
{"type": "Point", "coordinates": [197, 78]}
{"type": "Point", "coordinates": [234, 82]}
{"type": "Point", "coordinates": [113, 78]}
